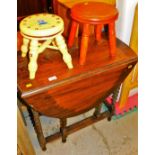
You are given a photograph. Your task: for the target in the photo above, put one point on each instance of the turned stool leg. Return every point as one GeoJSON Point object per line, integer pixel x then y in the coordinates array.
{"type": "Point", "coordinates": [72, 33]}
{"type": "Point", "coordinates": [33, 55]}
{"type": "Point", "coordinates": [63, 123]}
{"type": "Point", "coordinates": [84, 44]}
{"type": "Point", "coordinates": [24, 47]}
{"type": "Point", "coordinates": [112, 39]}
{"type": "Point", "coordinates": [63, 49]}
{"type": "Point", "coordinates": [38, 129]}
{"type": "Point", "coordinates": [98, 32]}
{"type": "Point", "coordinates": [97, 111]}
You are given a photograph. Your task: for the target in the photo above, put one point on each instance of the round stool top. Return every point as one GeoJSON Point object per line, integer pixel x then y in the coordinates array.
{"type": "Point", "coordinates": [94, 12]}
{"type": "Point", "coordinates": [42, 24]}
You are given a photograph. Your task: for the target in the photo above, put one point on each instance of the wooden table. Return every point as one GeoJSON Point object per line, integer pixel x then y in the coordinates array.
{"type": "Point", "coordinates": [62, 93]}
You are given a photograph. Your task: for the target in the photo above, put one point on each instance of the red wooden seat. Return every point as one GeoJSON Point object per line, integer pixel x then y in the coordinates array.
{"type": "Point", "coordinates": [97, 14]}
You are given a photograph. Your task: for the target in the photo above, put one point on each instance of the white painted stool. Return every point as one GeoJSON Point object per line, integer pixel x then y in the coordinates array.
{"type": "Point", "coordinates": [39, 27]}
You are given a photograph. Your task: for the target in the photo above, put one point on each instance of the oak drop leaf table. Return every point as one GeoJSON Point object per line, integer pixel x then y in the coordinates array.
{"type": "Point", "coordinates": [62, 93]}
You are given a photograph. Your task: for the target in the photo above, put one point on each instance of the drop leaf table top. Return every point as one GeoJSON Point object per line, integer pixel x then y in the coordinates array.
{"type": "Point", "coordinates": [62, 93]}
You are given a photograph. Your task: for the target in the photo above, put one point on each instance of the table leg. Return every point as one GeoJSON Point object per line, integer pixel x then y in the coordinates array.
{"type": "Point", "coordinates": [112, 39]}
{"type": "Point", "coordinates": [38, 129]}
{"type": "Point", "coordinates": [63, 49]}
{"type": "Point", "coordinates": [84, 44]}
{"type": "Point", "coordinates": [72, 33]}
{"type": "Point", "coordinates": [33, 55]}
{"type": "Point", "coordinates": [98, 32]}
{"type": "Point", "coordinates": [24, 47]}
{"type": "Point", "coordinates": [98, 110]}
{"type": "Point", "coordinates": [63, 123]}
{"type": "Point", "coordinates": [114, 99]}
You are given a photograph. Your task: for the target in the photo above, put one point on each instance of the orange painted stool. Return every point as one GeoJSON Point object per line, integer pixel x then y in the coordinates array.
{"type": "Point", "coordinates": [97, 14]}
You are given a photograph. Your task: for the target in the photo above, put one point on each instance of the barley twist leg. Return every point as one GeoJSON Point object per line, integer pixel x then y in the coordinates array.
{"type": "Point", "coordinates": [38, 129]}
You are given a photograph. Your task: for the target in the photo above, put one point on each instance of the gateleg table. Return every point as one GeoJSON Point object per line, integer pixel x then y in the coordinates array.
{"type": "Point", "coordinates": [62, 93]}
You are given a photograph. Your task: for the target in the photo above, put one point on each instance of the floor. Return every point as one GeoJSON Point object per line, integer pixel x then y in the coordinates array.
{"type": "Point", "coordinates": [118, 137]}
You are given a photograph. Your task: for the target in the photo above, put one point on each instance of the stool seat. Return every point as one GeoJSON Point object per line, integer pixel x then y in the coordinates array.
{"type": "Point", "coordinates": [40, 25]}
{"type": "Point", "coordinates": [43, 27]}
{"type": "Point", "coordinates": [97, 14]}
{"type": "Point", "coordinates": [94, 12]}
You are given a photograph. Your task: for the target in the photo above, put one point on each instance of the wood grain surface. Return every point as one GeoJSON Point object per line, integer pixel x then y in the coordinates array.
{"type": "Point", "coordinates": [80, 89]}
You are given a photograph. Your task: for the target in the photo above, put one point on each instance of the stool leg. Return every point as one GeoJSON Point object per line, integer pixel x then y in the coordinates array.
{"type": "Point", "coordinates": [44, 45]}
{"type": "Point", "coordinates": [33, 55]}
{"type": "Point", "coordinates": [24, 47]}
{"type": "Point", "coordinates": [63, 49]}
{"type": "Point", "coordinates": [63, 131]}
{"type": "Point", "coordinates": [112, 39]}
{"type": "Point", "coordinates": [38, 129]}
{"type": "Point", "coordinates": [72, 33]}
{"type": "Point", "coordinates": [98, 31]}
{"type": "Point", "coordinates": [84, 44]}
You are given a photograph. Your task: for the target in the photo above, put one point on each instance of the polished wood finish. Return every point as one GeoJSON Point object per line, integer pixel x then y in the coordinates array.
{"type": "Point", "coordinates": [73, 92]}
{"type": "Point", "coordinates": [102, 14]}
{"type": "Point", "coordinates": [94, 12]}
{"type": "Point", "coordinates": [96, 78]}
{"type": "Point", "coordinates": [66, 130]}
{"type": "Point", "coordinates": [131, 81]}
{"type": "Point", "coordinates": [63, 7]}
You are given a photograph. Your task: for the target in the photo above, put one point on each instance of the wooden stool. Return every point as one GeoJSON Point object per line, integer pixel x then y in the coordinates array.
{"type": "Point", "coordinates": [43, 27]}
{"type": "Point", "coordinates": [95, 13]}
